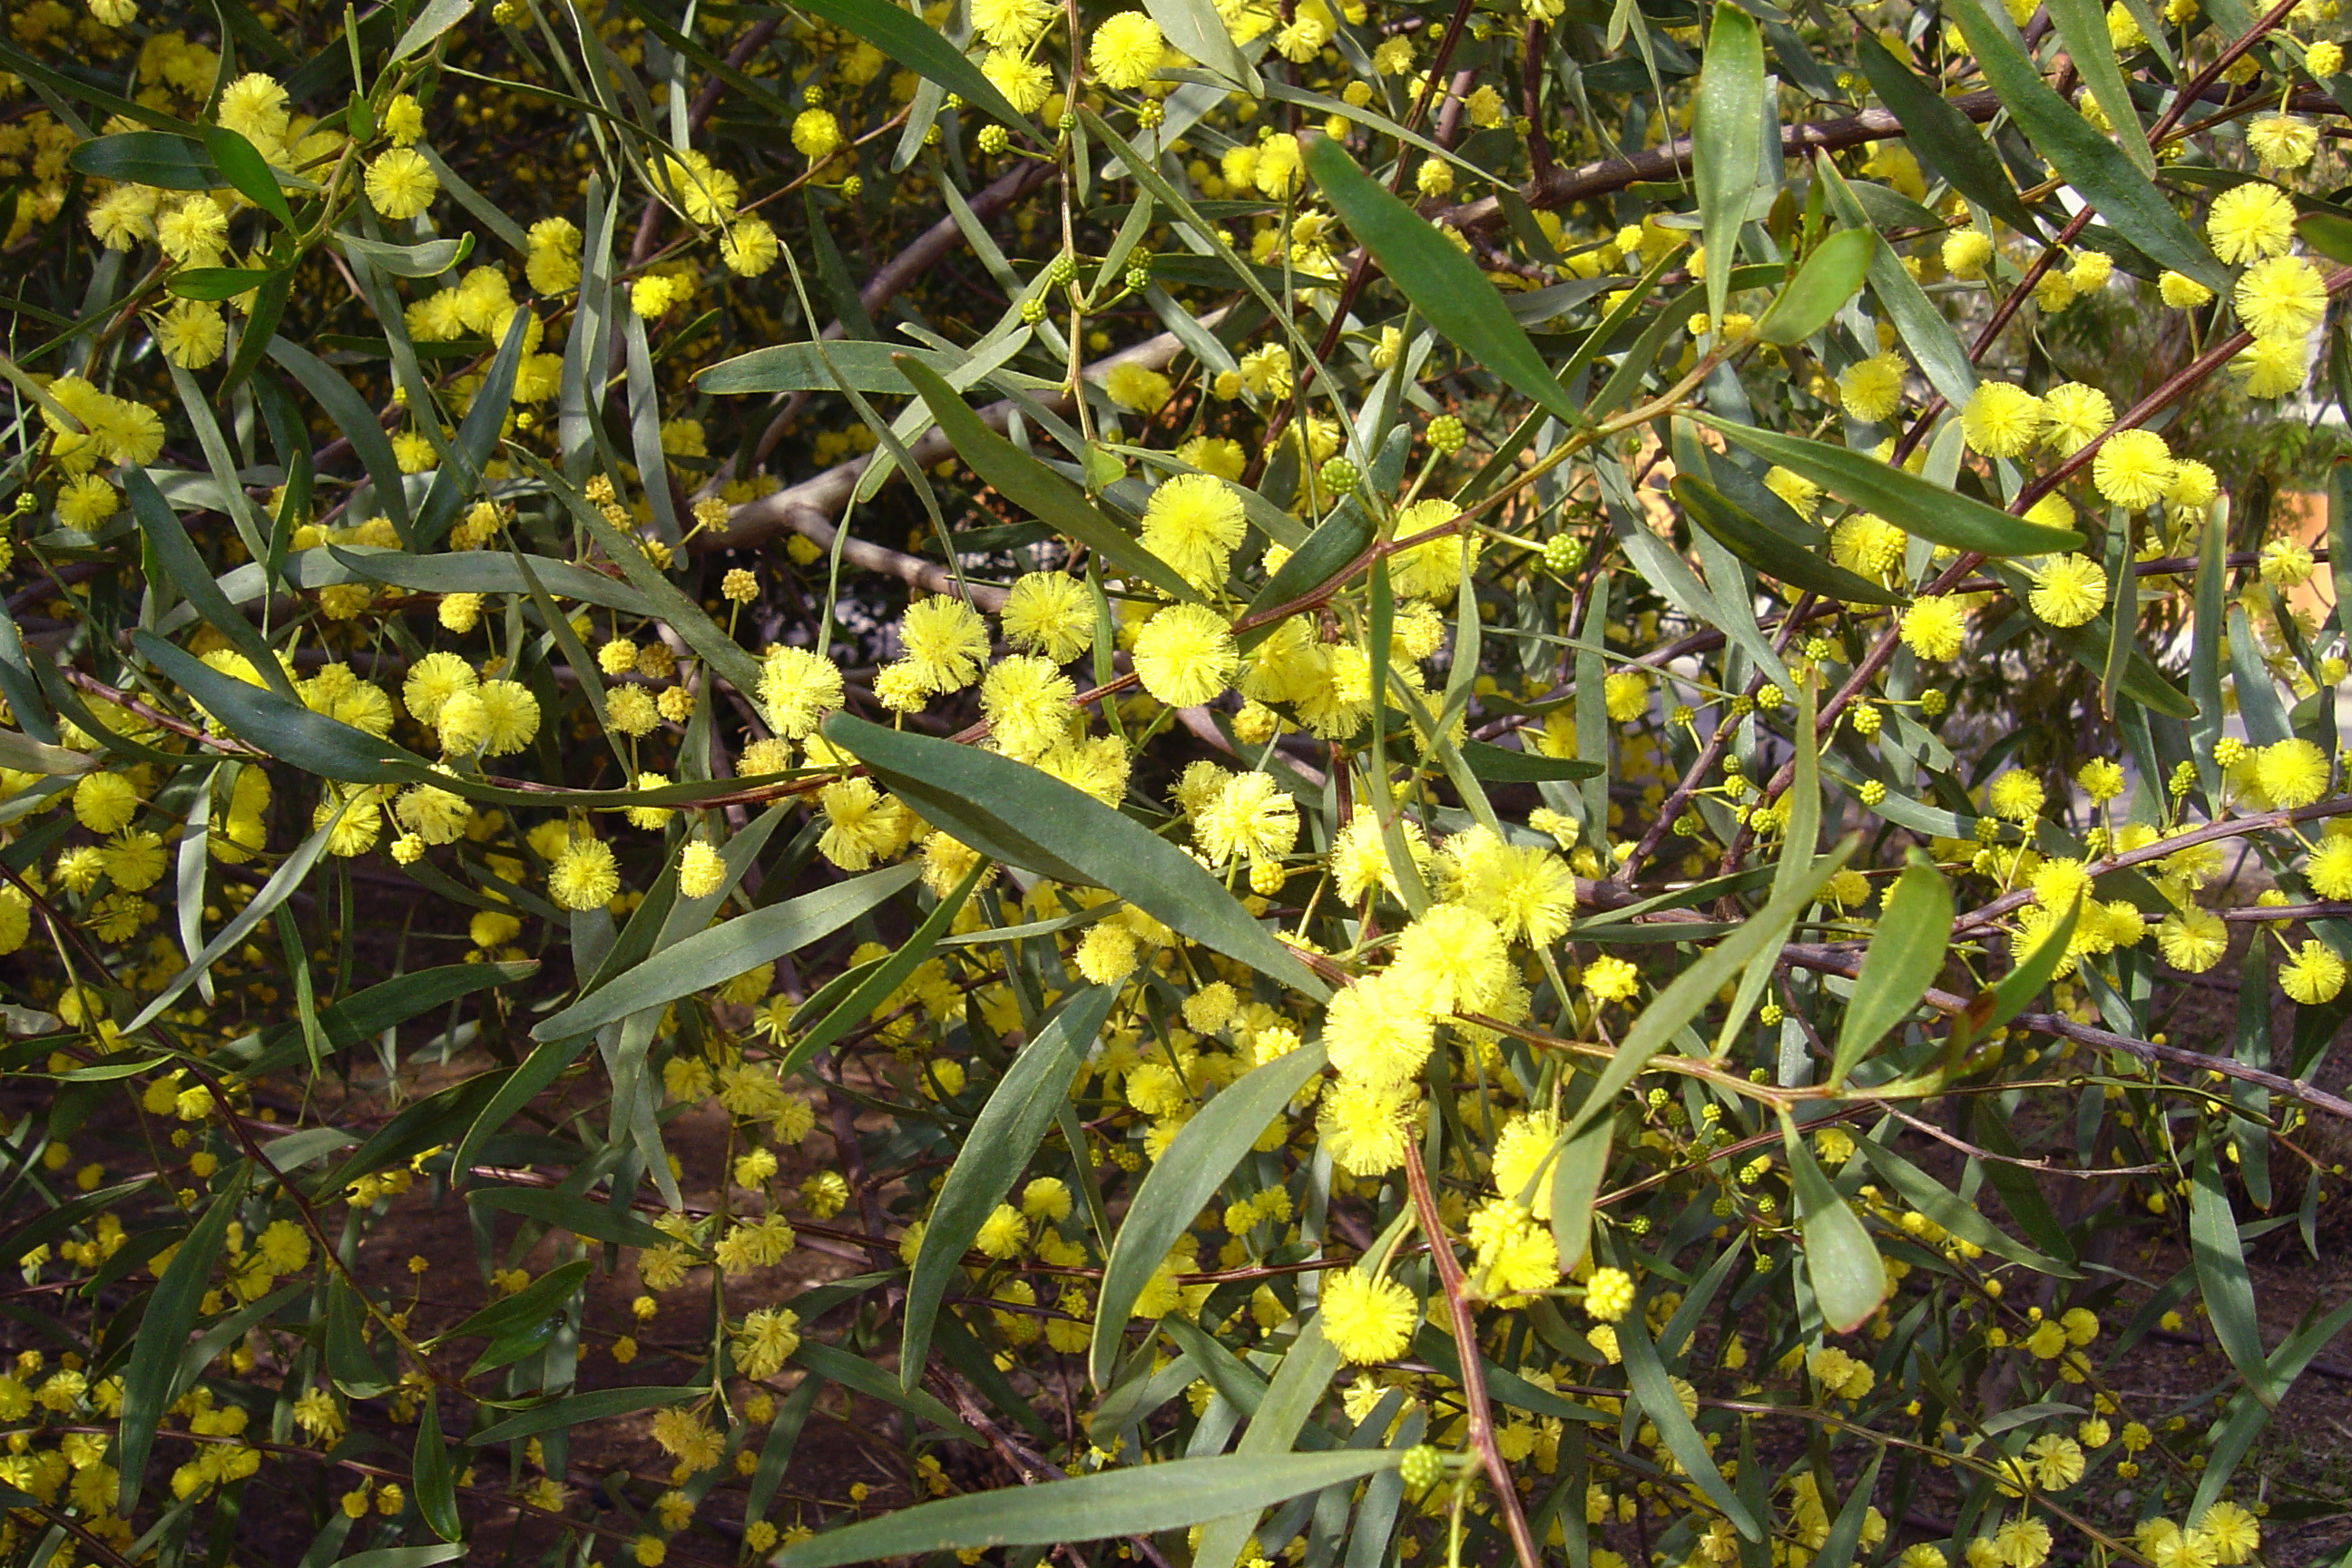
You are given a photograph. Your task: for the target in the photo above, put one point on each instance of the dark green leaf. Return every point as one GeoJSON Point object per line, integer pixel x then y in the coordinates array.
{"type": "Point", "coordinates": [994, 803]}
{"type": "Point", "coordinates": [1920, 1191]}
{"type": "Point", "coordinates": [2083, 27]}
{"type": "Point", "coordinates": [2339, 541]}
{"type": "Point", "coordinates": [365, 1015]}
{"type": "Point", "coordinates": [351, 1363]}
{"type": "Point", "coordinates": [1196, 1163]}
{"type": "Point", "coordinates": [2083, 155]}
{"type": "Point", "coordinates": [802, 367]}
{"type": "Point", "coordinates": [1034, 488]}
{"type": "Point", "coordinates": [436, 18]}
{"type": "Point", "coordinates": [2328, 234]}
{"type": "Point", "coordinates": [1727, 140]}
{"type": "Point", "coordinates": [1497, 764]}
{"type": "Point", "coordinates": [401, 1556]}
{"type": "Point", "coordinates": [714, 956]}
{"type": "Point", "coordinates": [1848, 1279]}
{"type": "Point", "coordinates": [2013, 991]}
{"type": "Point", "coordinates": [435, 1479]}
{"type": "Point", "coordinates": [1909, 502]}
{"type": "Point", "coordinates": [1575, 1178]}
{"type": "Point", "coordinates": [1774, 554]}
{"type": "Point", "coordinates": [217, 282]}
{"type": "Point", "coordinates": [353, 419]}
{"type": "Point", "coordinates": [535, 1302]}
{"type": "Point", "coordinates": [286, 731]}
{"type": "Point", "coordinates": [2219, 1257]}
{"type": "Point", "coordinates": [248, 172]}
{"type": "Point", "coordinates": [1337, 541]}
{"type": "Point", "coordinates": [428, 258]}
{"type": "Point", "coordinates": [1905, 954]}
{"type": "Point", "coordinates": [914, 44]}
{"type": "Point", "coordinates": [484, 572]}
{"type": "Point", "coordinates": [858, 1374]}
{"type": "Point", "coordinates": [1139, 1501]}
{"type": "Point", "coordinates": [163, 1333]}
{"type": "Point", "coordinates": [177, 554]}
{"type": "Point", "coordinates": [1944, 139]}
{"type": "Point", "coordinates": [885, 977]}
{"type": "Point", "coordinates": [1664, 1405]}
{"type": "Point", "coordinates": [1831, 276]}
{"type": "Point", "coordinates": [993, 1154]}
{"type": "Point", "coordinates": [600, 1405]}
{"type": "Point", "coordinates": [1444, 285]}
{"type": "Point", "coordinates": [582, 1216]}
{"type": "Point", "coordinates": [460, 473]}
{"type": "Point", "coordinates": [148, 158]}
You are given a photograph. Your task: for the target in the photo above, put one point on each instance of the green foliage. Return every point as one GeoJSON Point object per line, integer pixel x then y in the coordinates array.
{"type": "Point", "coordinates": [849, 783]}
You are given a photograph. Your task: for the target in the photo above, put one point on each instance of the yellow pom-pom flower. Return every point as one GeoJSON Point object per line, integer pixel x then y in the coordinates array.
{"type": "Point", "coordinates": [1368, 1318]}
{"type": "Point", "coordinates": [2250, 222]}
{"type": "Point", "coordinates": [1126, 50]}
{"type": "Point", "coordinates": [2068, 591]}
{"type": "Point", "coordinates": [2314, 975]}
{"type": "Point", "coordinates": [2133, 468]}
{"type": "Point", "coordinates": [1185, 654]}
{"type": "Point", "coordinates": [400, 184]}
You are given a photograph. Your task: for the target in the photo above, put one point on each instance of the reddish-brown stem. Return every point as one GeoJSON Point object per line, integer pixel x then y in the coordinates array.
{"type": "Point", "coordinates": [1465, 1340]}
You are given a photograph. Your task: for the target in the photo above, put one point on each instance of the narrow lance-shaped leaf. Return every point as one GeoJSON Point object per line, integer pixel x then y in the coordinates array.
{"type": "Point", "coordinates": [1727, 140]}
{"type": "Point", "coordinates": [995, 1153]}
{"type": "Point", "coordinates": [2219, 1257]}
{"type": "Point", "coordinates": [1297, 1385]}
{"type": "Point", "coordinates": [1943, 138]}
{"type": "Point", "coordinates": [916, 45]}
{"type": "Point", "coordinates": [1909, 502]}
{"type": "Point", "coordinates": [581, 1216]}
{"type": "Point", "coordinates": [1575, 1180]}
{"type": "Point", "coordinates": [148, 158]}
{"type": "Point", "coordinates": [538, 1300]}
{"type": "Point", "coordinates": [1034, 488]}
{"type": "Point", "coordinates": [1140, 1500]}
{"type": "Point", "coordinates": [436, 1478]}
{"type": "Point", "coordinates": [163, 1333]}
{"type": "Point", "coordinates": [1905, 954]}
{"type": "Point", "coordinates": [1196, 1163]}
{"type": "Point", "coordinates": [1695, 987]}
{"type": "Point", "coordinates": [1848, 1276]}
{"type": "Point", "coordinates": [1831, 276]}
{"type": "Point", "coordinates": [710, 957]}
{"type": "Point", "coordinates": [995, 803]}
{"type": "Point", "coordinates": [2084, 156]}
{"type": "Point", "coordinates": [287, 731]}
{"type": "Point", "coordinates": [1773, 555]}
{"type": "Point", "coordinates": [1443, 285]}
{"type": "Point", "coordinates": [2083, 27]}
{"type": "Point", "coordinates": [2008, 996]}
{"type": "Point", "coordinates": [599, 1405]}
{"type": "Point", "coordinates": [801, 367]}
{"type": "Point", "coordinates": [1661, 1402]}
{"type": "Point", "coordinates": [851, 1009]}
{"type": "Point", "coordinates": [246, 168]}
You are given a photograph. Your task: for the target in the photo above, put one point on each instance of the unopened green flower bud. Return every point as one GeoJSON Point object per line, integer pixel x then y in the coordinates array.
{"type": "Point", "coordinates": [1422, 1465]}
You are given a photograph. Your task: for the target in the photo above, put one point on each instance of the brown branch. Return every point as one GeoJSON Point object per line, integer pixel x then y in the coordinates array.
{"type": "Point", "coordinates": [1828, 961]}
{"type": "Point", "coordinates": [1465, 1340]}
